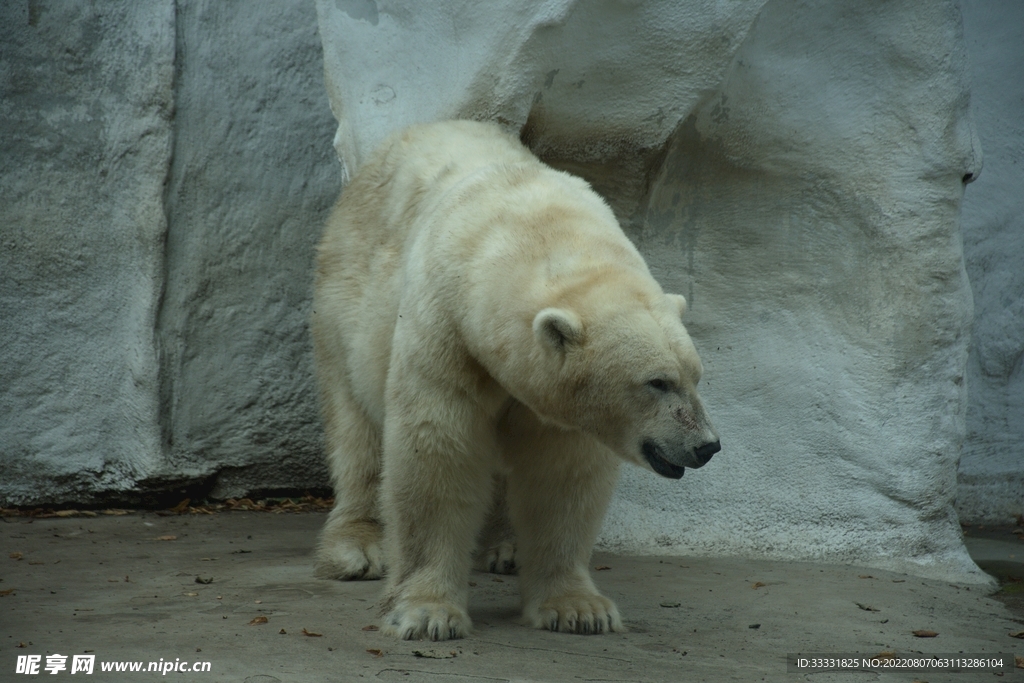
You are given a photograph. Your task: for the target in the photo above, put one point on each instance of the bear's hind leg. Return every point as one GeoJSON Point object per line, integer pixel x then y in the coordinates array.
{"type": "Point", "coordinates": [350, 543]}
{"type": "Point", "coordinates": [559, 489]}
{"type": "Point", "coordinates": [496, 548]}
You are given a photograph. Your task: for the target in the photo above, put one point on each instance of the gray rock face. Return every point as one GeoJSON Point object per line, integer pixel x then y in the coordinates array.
{"type": "Point", "coordinates": [251, 181]}
{"type": "Point", "coordinates": [991, 488]}
{"type": "Point", "coordinates": [85, 114]}
{"type": "Point", "coordinates": [164, 170]}
{"type": "Point", "coordinates": [797, 173]}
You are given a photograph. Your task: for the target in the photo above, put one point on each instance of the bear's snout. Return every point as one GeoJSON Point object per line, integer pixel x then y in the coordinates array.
{"type": "Point", "coordinates": [704, 453]}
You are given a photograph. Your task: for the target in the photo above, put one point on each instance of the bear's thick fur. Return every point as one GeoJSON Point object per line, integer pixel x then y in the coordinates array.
{"type": "Point", "coordinates": [483, 331]}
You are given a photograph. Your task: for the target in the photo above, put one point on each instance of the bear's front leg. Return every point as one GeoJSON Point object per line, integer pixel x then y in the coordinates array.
{"type": "Point", "coordinates": [436, 490]}
{"type": "Point", "coordinates": [559, 489]}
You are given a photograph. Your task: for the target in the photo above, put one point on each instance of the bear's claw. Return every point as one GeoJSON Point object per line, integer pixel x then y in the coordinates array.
{"type": "Point", "coordinates": [347, 561]}
{"type": "Point", "coordinates": [499, 559]}
{"type": "Point", "coordinates": [582, 614]}
{"type": "Point", "coordinates": [436, 621]}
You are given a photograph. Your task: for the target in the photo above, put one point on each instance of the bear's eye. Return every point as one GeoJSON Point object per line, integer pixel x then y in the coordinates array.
{"type": "Point", "coordinates": [659, 384]}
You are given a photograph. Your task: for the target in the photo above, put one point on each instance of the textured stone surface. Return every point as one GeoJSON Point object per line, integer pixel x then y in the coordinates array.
{"type": "Point", "coordinates": [992, 467]}
{"type": "Point", "coordinates": [797, 173]}
{"type": "Point", "coordinates": [85, 133]}
{"type": "Point", "coordinates": [164, 171]}
{"type": "Point", "coordinates": [252, 178]}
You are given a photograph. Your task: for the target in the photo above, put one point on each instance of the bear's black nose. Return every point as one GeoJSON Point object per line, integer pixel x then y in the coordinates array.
{"type": "Point", "coordinates": [705, 452]}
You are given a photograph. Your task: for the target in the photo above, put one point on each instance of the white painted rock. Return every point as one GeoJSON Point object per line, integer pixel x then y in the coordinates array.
{"type": "Point", "coordinates": [797, 173]}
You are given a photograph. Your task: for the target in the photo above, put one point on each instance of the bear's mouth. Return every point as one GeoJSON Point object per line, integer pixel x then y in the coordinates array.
{"type": "Point", "coordinates": [662, 466]}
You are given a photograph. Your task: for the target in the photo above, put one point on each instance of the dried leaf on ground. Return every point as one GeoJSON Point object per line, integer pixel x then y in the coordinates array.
{"type": "Point", "coordinates": [758, 584]}
{"type": "Point", "coordinates": [671, 604]}
{"type": "Point", "coordinates": [1017, 634]}
{"type": "Point", "coordinates": [924, 633]}
{"type": "Point", "coordinates": [167, 537]}
{"type": "Point", "coordinates": [6, 592]}
{"type": "Point", "coordinates": [16, 556]}
{"type": "Point", "coordinates": [311, 634]}
{"type": "Point", "coordinates": [258, 620]}
{"type": "Point", "coordinates": [375, 652]}
{"type": "Point", "coordinates": [865, 576]}
{"type": "Point", "coordinates": [283, 632]}
{"type": "Point", "coordinates": [190, 595]}
{"type": "Point", "coordinates": [601, 568]}
{"type": "Point", "coordinates": [1019, 662]}
{"type": "Point", "coordinates": [371, 627]}
{"type": "Point", "coordinates": [867, 608]}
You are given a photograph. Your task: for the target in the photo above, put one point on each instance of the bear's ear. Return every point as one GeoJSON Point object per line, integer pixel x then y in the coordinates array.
{"type": "Point", "coordinates": [679, 301]}
{"type": "Point", "coordinates": [558, 328]}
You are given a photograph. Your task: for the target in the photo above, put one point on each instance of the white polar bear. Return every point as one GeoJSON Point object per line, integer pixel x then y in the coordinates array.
{"type": "Point", "coordinates": [479, 317]}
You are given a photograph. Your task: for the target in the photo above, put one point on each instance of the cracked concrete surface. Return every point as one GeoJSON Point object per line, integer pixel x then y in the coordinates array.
{"type": "Point", "coordinates": [144, 587]}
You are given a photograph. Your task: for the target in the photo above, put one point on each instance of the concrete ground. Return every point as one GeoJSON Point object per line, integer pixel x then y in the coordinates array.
{"type": "Point", "coordinates": [236, 590]}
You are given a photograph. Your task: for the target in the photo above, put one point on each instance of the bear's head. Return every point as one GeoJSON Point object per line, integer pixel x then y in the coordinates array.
{"type": "Point", "coordinates": [627, 373]}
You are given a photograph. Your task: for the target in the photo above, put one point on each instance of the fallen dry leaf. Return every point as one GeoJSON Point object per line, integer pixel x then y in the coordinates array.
{"type": "Point", "coordinates": [191, 595]}
{"type": "Point", "coordinates": [1019, 662]}
{"type": "Point", "coordinates": [867, 608]}
{"type": "Point", "coordinates": [168, 537]}
{"type": "Point", "coordinates": [925, 633]}
{"type": "Point", "coordinates": [6, 592]}
{"type": "Point", "coordinates": [258, 620]}
{"type": "Point", "coordinates": [283, 632]}
{"type": "Point", "coordinates": [65, 513]}
{"type": "Point", "coordinates": [602, 568]}
{"type": "Point", "coordinates": [1016, 634]}
{"type": "Point", "coordinates": [182, 506]}
{"type": "Point", "coordinates": [865, 576]}
{"type": "Point", "coordinates": [16, 556]}
{"type": "Point", "coordinates": [758, 584]}
{"type": "Point", "coordinates": [375, 652]}
{"type": "Point", "coordinates": [371, 627]}
{"type": "Point", "coordinates": [311, 634]}
{"type": "Point", "coordinates": [886, 655]}
{"type": "Point", "coordinates": [671, 604]}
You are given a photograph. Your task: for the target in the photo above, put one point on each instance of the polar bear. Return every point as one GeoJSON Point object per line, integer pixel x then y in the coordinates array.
{"type": "Point", "coordinates": [480, 317]}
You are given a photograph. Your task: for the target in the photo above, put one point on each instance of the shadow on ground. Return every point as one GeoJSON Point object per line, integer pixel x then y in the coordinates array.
{"type": "Point", "coordinates": [236, 590]}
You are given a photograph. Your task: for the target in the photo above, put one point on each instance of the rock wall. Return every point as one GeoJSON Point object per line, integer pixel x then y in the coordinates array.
{"type": "Point", "coordinates": [991, 487]}
{"type": "Point", "coordinates": [164, 171]}
{"type": "Point", "coordinates": [86, 111]}
{"type": "Point", "coordinates": [796, 171]}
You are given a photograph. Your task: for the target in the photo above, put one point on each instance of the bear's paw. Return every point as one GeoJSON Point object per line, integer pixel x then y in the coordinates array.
{"type": "Point", "coordinates": [498, 559]}
{"type": "Point", "coordinates": [584, 614]}
{"type": "Point", "coordinates": [348, 560]}
{"type": "Point", "coordinates": [427, 620]}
